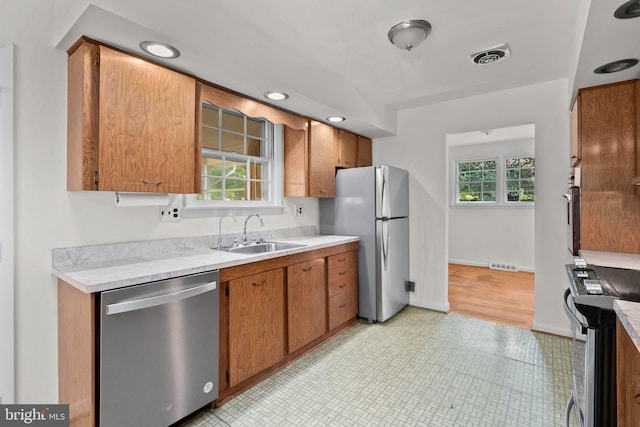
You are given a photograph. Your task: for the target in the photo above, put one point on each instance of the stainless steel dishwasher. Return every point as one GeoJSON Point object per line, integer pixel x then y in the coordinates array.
{"type": "Point", "coordinates": [158, 348]}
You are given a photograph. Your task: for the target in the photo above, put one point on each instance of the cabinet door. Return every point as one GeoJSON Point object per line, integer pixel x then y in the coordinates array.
{"type": "Point", "coordinates": [347, 149]}
{"type": "Point", "coordinates": [256, 324]}
{"type": "Point", "coordinates": [296, 169]}
{"type": "Point", "coordinates": [364, 152]}
{"type": "Point", "coordinates": [146, 126]}
{"type": "Point", "coordinates": [307, 299]}
{"type": "Point", "coordinates": [322, 155]}
{"type": "Point", "coordinates": [627, 378]}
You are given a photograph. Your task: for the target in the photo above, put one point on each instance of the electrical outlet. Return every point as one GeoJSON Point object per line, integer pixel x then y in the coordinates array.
{"type": "Point", "coordinates": [169, 214]}
{"type": "Point", "coordinates": [299, 210]}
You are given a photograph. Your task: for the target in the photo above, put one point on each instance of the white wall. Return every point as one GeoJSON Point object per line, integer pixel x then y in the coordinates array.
{"type": "Point", "coordinates": [479, 235]}
{"type": "Point", "coordinates": [420, 147]}
{"type": "Point", "coordinates": [47, 216]}
{"type": "Point", "coordinates": [6, 225]}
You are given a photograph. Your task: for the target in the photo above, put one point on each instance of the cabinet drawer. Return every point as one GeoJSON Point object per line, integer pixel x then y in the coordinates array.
{"type": "Point", "coordinates": [342, 307]}
{"type": "Point", "coordinates": [341, 280]}
{"type": "Point", "coordinates": [343, 260]}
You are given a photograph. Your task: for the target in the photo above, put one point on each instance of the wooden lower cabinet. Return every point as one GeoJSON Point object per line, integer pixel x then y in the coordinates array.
{"type": "Point", "coordinates": [256, 324]}
{"type": "Point", "coordinates": [306, 302]}
{"type": "Point", "coordinates": [627, 378]}
{"type": "Point", "coordinates": [342, 287]}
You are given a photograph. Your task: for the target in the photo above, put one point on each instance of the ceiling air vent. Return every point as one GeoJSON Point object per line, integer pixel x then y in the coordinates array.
{"type": "Point", "coordinates": [491, 55]}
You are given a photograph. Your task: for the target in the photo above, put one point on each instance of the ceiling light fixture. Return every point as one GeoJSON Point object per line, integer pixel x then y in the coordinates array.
{"type": "Point", "coordinates": [630, 9]}
{"type": "Point", "coordinates": [276, 96]}
{"type": "Point", "coordinates": [409, 34]}
{"type": "Point", "coordinates": [161, 50]}
{"type": "Point", "coordinates": [336, 119]}
{"type": "Point", "coordinates": [615, 66]}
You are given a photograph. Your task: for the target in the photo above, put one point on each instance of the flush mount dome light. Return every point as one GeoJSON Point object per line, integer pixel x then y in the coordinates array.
{"type": "Point", "coordinates": [409, 34]}
{"type": "Point", "coordinates": [336, 119]}
{"type": "Point", "coordinates": [630, 9]}
{"type": "Point", "coordinates": [161, 50]}
{"type": "Point", "coordinates": [276, 96]}
{"type": "Point", "coordinates": [615, 66]}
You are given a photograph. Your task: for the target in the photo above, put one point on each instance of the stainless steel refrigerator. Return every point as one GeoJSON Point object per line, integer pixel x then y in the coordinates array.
{"type": "Point", "coordinates": [373, 203]}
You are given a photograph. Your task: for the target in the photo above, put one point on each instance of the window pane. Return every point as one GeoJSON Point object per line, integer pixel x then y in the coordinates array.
{"type": "Point", "coordinates": [527, 185]}
{"type": "Point", "coordinates": [476, 176]}
{"type": "Point", "coordinates": [489, 197]}
{"type": "Point", "coordinates": [463, 167]}
{"type": "Point", "coordinates": [513, 185]}
{"type": "Point", "coordinates": [489, 187]}
{"type": "Point", "coordinates": [256, 190]}
{"type": "Point", "coordinates": [255, 128]}
{"type": "Point", "coordinates": [210, 138]}
{"type": "Point", "coordinates": [512, 163]}
{"type": "Point", "coordinates": [476, 187]}
{"type": "Point", "coordinates": [235, 189]}
{"type": "Point", "coordinates": [526, 173]}
{"type": "Point", "coordinates": [210, 116]}
{"type": "Point", "coordinates": [490, 164]}
{"type": "Point", "coordinates": [254, 147]}
{"type": "Point", "coordinates": [235, 170]}
{"type": "Point", "coordinates": [464, 177]}
{"type": "Point", "coordinates": [489, 175]}
{"type": "Point", "coordinates": [211, 167]}
{"type": "Point", "coordinates": [232, 122]}
{"type": "Point", "coordinates": [513, 174]}
{"type": "Point", "coordinates": [474, 166]}
{"type": "Point", "coordinates": [212, 188]}
{"type": "Point", "coordinates": [232, 143]}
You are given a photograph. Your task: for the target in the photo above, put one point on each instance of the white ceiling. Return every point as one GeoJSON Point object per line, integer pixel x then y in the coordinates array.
{"type": "Point", "coordinates": [333, 56]}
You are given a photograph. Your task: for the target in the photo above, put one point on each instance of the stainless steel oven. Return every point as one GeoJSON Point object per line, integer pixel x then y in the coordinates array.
{"type": "Point", "coordinates": [589, 304]}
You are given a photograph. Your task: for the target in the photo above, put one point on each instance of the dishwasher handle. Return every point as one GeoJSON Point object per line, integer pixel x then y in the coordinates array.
{"type": "Point", "coordinates": [139, 304]}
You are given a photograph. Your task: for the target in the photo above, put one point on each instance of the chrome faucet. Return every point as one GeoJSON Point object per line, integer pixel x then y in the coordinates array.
{"type": "Point", "coordinates": [219, 246]}
{"type": "Point", "coordinates": [244, 234]}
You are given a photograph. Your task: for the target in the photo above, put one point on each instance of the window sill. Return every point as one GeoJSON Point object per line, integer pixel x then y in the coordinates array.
{"type": "Point", "coordinates": [492, 205]}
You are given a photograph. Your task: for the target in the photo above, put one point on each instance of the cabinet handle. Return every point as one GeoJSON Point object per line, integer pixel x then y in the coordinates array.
{"type": "Point", "coordinates": [307, 269]}
{"type": "Point", "coordinates": [342, 273]}
{"type": "Point", "coordinates": [144, 181]}
{"type": "Point", "coordinates": [637, 397]}
{"type": "Point", "coordinates": [343, 305]}
{"type": "Point", "coordinates": [342, 259]}
{"type": "Point", "coordinates": [342, 286]}
{"type": "Point", "coordinates": [260, 284]}
{"type": "Point", "coordinates": [348, 163]}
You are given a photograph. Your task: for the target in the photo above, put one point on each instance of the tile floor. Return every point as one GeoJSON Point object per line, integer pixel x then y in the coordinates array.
{"type": "Point", "coordinates": [420, 368]}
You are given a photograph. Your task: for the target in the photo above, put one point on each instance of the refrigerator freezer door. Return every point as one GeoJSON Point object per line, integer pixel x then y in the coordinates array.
{"type": "Point", "coordinates": [392, 192]}
{"type": "Point", "coordinates": [392, 252]}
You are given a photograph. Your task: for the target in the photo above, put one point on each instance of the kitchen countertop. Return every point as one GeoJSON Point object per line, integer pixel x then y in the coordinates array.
{"type": "Point", "coordinates": [98, 276]}
{"type": "Point", "coordinates": [629, 314]}
{"type": "Point", "coordinates": [612, 259]}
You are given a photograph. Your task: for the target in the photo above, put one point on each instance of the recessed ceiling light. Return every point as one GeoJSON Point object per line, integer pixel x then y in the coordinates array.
{"type": "Point", "coordinates": [615, 66]}
{"type": "Point", "coordinates": [161, 50]}
{"type": "Point", "coordinates": [630, 9]}
{"type": "Point", "coordinates": [336, 119]}
{"type": "Point", "coordinates": [276, 96]}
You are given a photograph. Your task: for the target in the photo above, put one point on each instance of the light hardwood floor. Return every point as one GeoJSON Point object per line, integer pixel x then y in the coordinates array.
{"type": "Point", "coordinates": [499, 296]}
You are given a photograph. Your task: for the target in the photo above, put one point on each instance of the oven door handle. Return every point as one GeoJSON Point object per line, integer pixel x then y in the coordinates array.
{"type": "Point", "coordinates": [571, 314]}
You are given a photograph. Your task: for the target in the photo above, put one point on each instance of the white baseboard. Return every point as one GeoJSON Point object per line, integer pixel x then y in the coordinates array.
{"type": "Point", "coordinates": [550, 329]}
{"type": "Point", "coordinates": [437, 307]}
{"type": "Point", "coordinates": [486, 264]}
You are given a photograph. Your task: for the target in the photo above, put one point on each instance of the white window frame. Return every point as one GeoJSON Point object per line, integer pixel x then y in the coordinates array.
{"type": "Point", "coordinates": [501, 182]}
{"type": "Point", "coordinates": [275, 169]}
{"type": "Point", "coordinates": [457, 183]}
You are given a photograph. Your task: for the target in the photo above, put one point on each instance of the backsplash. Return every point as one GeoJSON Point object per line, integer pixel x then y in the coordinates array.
{"type": "Point", "coordinates": [149, 249]}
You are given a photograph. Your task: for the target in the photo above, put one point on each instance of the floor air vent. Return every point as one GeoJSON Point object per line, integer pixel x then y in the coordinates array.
{"type": "Point", "coordinates": [491, 55]}
{"type": "Point", "coordinates": [504, 267]}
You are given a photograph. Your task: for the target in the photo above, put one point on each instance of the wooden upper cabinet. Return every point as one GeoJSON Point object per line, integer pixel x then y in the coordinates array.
{"type": "Point", "coordinates": [322, 155]}
{"type": "Point", "coordinates": [610, 208]}
{"type": "Point", "coordinates": [130, 124]}
{"type": "Point", "coordinates": [296, 162]}
{"type": "Point", "coordinates": [576, 133]}
{"type": "Point", "coordinates": [364, 152]}
{"type": "Point", "coordinates": [346, 149]}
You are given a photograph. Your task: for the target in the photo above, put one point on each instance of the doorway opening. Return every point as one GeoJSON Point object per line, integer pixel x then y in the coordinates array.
{"type": "Point", "coordinates": [491, 224]}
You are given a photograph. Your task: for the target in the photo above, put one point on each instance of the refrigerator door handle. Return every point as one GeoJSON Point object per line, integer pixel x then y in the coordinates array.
{"type": "Point", "coordinates": [385, 242]}
{"type": "Point", "coordinates": [385, 208]}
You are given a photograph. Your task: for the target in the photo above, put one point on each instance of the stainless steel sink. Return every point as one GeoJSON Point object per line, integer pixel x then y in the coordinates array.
{"type": "Point", "coordinates": [259, 248]}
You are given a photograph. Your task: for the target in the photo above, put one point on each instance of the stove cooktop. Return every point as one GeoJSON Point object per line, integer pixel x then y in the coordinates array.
{"type": "Point", "coordinates": [598, 286]}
